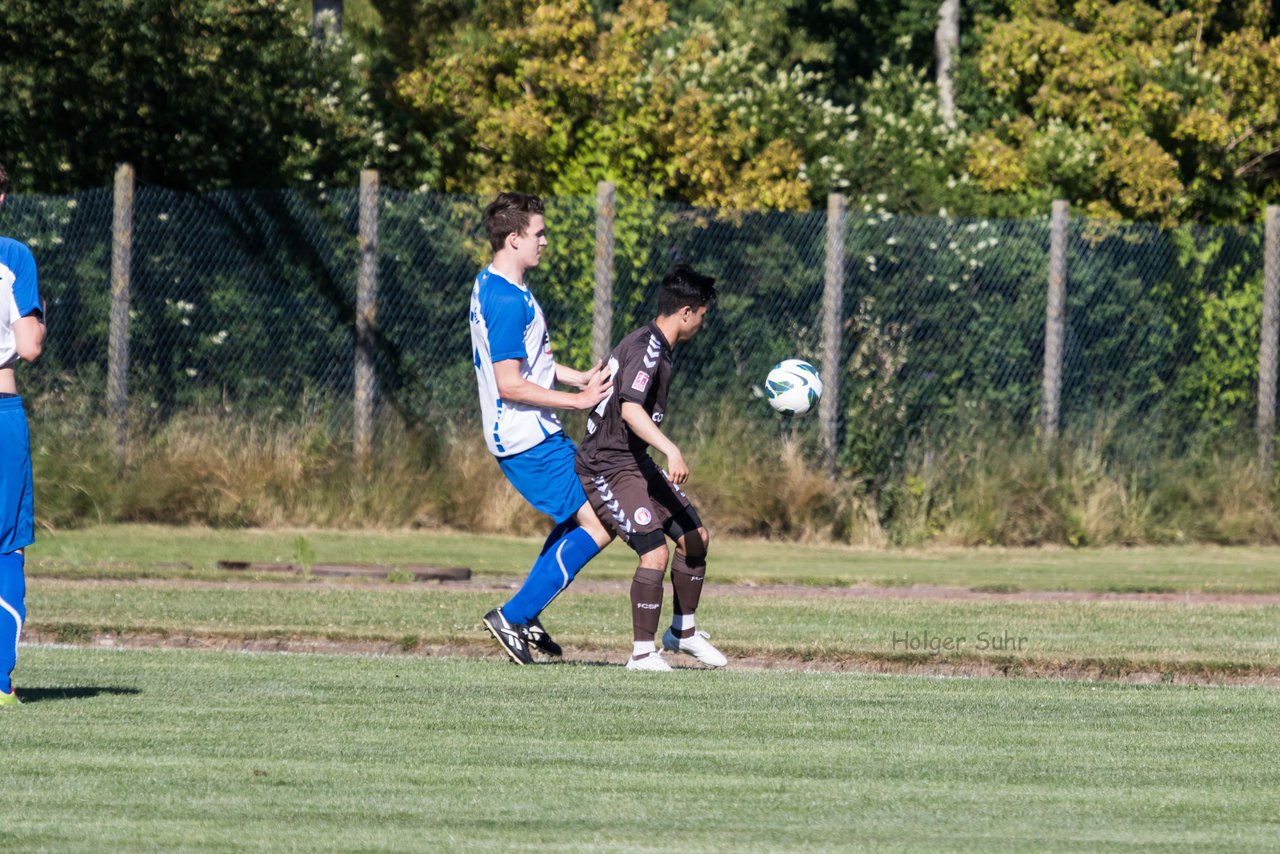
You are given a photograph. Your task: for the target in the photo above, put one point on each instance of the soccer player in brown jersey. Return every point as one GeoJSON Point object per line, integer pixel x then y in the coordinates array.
{"type": "Point", "coordinates": [635, 498]}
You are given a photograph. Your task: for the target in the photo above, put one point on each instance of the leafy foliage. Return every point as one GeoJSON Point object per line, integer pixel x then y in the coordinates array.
{"type": "Point", "coordinates": [550, 98]}
{"type": "Point", "coordinates": [200, 95]}
{"type": "Point", "coordinates": [1132, 112]}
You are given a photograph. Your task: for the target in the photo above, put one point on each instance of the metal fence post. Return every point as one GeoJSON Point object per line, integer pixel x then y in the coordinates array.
{"type": "Point", "coordinates": [602, 314]}
{"type": "Point", "coordinates": [1267, 352]}
{"type": "Point", "coordinates": [1053, 322]}
{"type": "Point", "coordinates": [832, 308]}
{"type": "Point", "coordinates": [366, 316]}
{"type": "Point", "coordinates": [118, 334]}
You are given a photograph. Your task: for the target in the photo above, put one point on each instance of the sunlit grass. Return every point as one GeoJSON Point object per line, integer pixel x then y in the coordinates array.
{"type": "Point", "coordinates": [130, 551]}
{"type": "Point", "coordinates": [184, 750]}
{"type": "Point", "coordinates": [1229, 638]}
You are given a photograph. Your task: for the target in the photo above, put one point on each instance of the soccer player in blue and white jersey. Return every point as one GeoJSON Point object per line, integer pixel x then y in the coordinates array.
{"type": "Point", "coordinates": [517, 375]}
{"type": "Point", "coordinates": [21, 337]}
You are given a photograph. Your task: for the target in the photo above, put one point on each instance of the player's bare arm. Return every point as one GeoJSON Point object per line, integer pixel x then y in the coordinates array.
{"type": "Point", "coordinates": [642, 425]}
{"type": "Point", "coordinates": [580, 379]}
{"type": "Point", "coordinates": [28, 334]}
{"type": "Point", "coordinates": [515, 388]}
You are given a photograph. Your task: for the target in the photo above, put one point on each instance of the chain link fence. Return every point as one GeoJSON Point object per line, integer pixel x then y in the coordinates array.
{"type": "Point", "coordinates": [245, 301]}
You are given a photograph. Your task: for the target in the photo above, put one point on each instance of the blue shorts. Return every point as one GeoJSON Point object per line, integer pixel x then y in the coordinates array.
{"type": "Point", "coordinates": [544, 475]}
{"type": "Point", "coordinates": [17, 507]}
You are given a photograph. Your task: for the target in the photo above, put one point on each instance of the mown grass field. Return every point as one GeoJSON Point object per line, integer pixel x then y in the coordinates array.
{"type": "Point", "coordinates": [183, 750]}
{"type": "Point", "coordinates": [131, 550]}
{"type": "Point", "coordinates": [441, 744]}
{"type": "Point", "coordinates": [1115, 636]}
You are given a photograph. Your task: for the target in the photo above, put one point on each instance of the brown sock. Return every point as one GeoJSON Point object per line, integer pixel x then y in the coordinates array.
{"type": "Point", "coordinates": [687, 574]}
{"type": "Point", "coordinates": [646, 603]}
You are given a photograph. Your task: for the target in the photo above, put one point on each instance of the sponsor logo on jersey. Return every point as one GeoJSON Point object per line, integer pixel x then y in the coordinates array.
{"type": "Point", "coordinates": [643, 516]}
{"type": "Point", "coordinates": [657, 418]}
{"type": "Point", "coordinates": [641, 382]}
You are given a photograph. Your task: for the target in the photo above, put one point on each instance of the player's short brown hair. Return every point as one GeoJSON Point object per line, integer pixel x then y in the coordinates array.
{"type": "Point", "coordinates": [4, 181]}
{"type": "Point", "coordinates": [509, 214]}
{"type": "Point", "coordinates": [685, 286]}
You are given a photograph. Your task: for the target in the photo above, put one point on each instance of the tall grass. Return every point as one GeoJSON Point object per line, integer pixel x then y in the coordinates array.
{"type": "Point", "coordinates": [987, 486]}
{"type": "Point", "coordinates": [1096, 486]}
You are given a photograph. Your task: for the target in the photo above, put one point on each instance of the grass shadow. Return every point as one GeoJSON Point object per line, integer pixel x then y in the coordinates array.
{"type": "Point", "coordinates": [560, 662]}
{"type": "Point", "coordinates": [40, 695]}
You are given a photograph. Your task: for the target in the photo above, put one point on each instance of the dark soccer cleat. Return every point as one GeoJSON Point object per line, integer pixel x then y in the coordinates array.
{"type": "Point", "coordinates": [513, 636]}
{"type": "Point", "coordinates": [538, 637]}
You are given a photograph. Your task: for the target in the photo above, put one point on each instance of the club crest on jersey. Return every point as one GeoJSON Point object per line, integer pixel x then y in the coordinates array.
{"type": "Point", "coordinates": [643, 516]}
{"type": "Point", "coordinates": [641, 382]}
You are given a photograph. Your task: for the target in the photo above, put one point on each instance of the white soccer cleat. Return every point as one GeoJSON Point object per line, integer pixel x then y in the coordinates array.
{"type": "Point", "coordinates": [699, 646]}
{"type": "Point", "coordinates": [652, 663]}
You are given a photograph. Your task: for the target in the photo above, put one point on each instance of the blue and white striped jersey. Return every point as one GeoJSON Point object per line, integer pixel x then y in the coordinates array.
{"type": "Point", "coordinates": [507, 323]}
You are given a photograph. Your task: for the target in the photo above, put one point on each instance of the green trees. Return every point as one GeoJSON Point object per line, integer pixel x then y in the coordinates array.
{"type": "Point", "coordinates": [555, 97]}
{"type": "Point", "coordinates": [197, 95]}
{"type": "Point", "coordinates": [1132, 112]}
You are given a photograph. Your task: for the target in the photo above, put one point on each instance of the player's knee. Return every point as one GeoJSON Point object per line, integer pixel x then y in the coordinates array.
{"type": "Point", "coordinates": [591, 523]}
{"type": "Point", "coordinates": [695, 543]}
{"type": "Point", "coordinates": [655, 557]}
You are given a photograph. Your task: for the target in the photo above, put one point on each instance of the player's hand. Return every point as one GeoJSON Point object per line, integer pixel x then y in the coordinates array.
{"type": "Point", "coordinates": [677, 468]}
{"type": "Point", "coordinates": [599, 385]}
{"type": "Point", "coordinates": [598, 368]}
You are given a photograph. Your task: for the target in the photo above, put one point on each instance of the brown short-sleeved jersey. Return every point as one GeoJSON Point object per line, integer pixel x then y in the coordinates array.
{"type": "Point", "coordinates": [641, 365]}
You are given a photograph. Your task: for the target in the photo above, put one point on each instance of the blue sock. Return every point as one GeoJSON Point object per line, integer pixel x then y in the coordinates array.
{"type": "Point", "coordinates": [552, 571]}
{"type": "Point", "coordinates": [13, 611]}
{"type": "Point", "coordinates": [557, 533]}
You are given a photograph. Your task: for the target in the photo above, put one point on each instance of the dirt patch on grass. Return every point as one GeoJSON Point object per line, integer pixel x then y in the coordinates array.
{"type": "Point", "coordinates": [966, 594]}
{"type": "Point", "coordinates": [482, 647]}
{"type": "Point", "coordinates": [621, 586]}
{"type": "Point", "coordinates": [922, 666]}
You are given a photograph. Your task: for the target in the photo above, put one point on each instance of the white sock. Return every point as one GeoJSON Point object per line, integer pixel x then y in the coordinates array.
{"type": "Point", "coordinates": [640, 648]}
{"type": "Point", "coordinates": [681, 622]}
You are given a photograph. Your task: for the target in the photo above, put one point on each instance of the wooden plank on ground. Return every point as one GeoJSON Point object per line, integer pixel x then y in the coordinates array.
{"type": "Point", "coordinates": [418, 572]}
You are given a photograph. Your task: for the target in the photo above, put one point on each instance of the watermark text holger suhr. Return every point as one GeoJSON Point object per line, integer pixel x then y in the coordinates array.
{"type": "Point", "coordinates": [936, 644]}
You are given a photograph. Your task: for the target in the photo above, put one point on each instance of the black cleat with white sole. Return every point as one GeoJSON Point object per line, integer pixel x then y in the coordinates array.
{"type": "Point", "coordinates": [513, 636]}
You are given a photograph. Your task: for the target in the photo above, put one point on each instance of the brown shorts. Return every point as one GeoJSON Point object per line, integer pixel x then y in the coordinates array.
{"type": "Point", "coordinates": [641, 506]}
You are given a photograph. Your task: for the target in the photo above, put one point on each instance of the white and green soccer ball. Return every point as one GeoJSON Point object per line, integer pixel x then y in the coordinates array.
{"type": "Point", "coordinates": [793, 387]}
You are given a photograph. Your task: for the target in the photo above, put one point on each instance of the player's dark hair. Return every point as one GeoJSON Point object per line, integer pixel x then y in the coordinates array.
{"type": "Point", "coordinates": [685, 286]}
{"type": "Point", "coordinates": [509, 214]}
{"type": "Point", "coordinates": [4, 181]}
